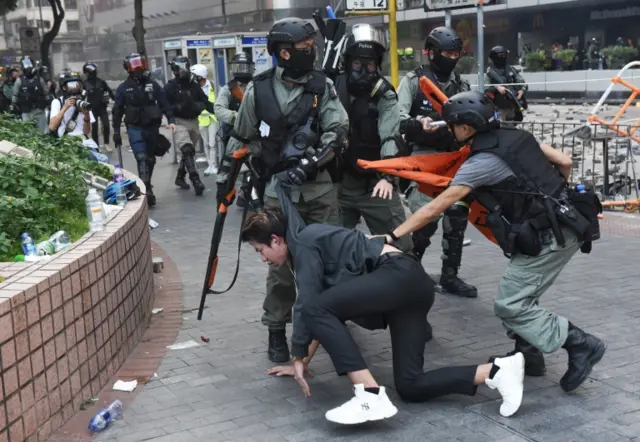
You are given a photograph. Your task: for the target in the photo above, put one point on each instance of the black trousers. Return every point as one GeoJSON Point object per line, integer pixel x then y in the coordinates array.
{"type": "Point", "coordinates": [101, 116]}
{"type": "Point", "coordinates": [401, 291]}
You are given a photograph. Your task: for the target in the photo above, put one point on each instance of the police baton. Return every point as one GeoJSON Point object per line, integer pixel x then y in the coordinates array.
{"type": "Point", "coordinates": [119, 149]}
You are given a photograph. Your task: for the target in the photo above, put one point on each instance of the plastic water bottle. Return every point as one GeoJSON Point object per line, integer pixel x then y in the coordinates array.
{"type": "Point", "coordinates": [95, 211]}
{"type": "Point", "coordinates": [28, 246]}
{"type": "Point", "coordinates": [105, 416]}
{"type": "Point", "coordinates": [118, 178]}
{"type": "Point", "coordinates": [581, 189]}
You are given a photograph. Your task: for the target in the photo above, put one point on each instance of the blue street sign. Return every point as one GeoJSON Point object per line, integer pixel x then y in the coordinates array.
{"type": "Point", "coordinates": [198, 43]}
{"type": "Point", "coordinates": [248, 41]}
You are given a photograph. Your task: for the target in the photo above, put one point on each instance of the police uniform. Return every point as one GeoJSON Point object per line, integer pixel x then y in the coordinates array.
{"type": "Point", "coordinates": [30, 97]}
{"type": "Point", "coordinates": [538, 222]}
{"type": "Point", "coordinates": [372, 105]}
{"type": "Point", "coordinates": [500, 73]}
{"type": "Point", "coordinates": [141, 102]}
{"type": "Point", "coordinates": [98, 94]}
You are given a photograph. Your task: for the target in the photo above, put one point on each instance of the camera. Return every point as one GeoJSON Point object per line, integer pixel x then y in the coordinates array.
{"type": "Point", "coordinates": [83, 104]}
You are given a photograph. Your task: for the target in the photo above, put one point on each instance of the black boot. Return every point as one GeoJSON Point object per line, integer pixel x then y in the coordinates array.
{"type": "Point", "coordinates": [197, 184]}
{"type": "Point", "coordinates": [180, 179]}
{"type": "Point", "coordinates": [151, 198]}
{"type": "Point", "coordinates": [584, 351]}
{"type": "Point", "coordinates": [278, 349]}
{"type": "Point", "coordinates": [454, 225]}
{"type": "Point", "coordinates": [453, 285]}
{"type": "Point", "coordinates": [533, 358]}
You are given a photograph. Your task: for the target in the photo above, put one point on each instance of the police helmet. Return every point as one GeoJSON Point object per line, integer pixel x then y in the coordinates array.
{"type": "Point", "coordinates": [28, 67]}
{"type": "Point", "coordinates": [181, 66]}
{"type": "Point", "coordinates": [366, 41]}
{"type": "Point", "coordinates": [472, 108]}
{"type": "Point", "coordinates": [70, 81]}
{"type": "Point", "coordinates": [242, 67]}
{"type": "Point", "coordinates": [90, 68]}
{"type": "Point", "coordinates": [443, 39]}
{"type": "Point", "coordinates": [498, 54]}
{"type": "Point", "coordinates": [135, 63]}
{"type": "Point", "coordinates": [288, 31]}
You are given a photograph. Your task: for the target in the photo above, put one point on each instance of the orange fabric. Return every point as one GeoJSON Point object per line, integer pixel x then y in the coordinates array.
{"type": "Point", "coordinates": [433, 173]}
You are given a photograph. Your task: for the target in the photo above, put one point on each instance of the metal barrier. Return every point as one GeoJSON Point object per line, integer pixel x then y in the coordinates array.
{"type": "Point", "coordinates": [602, 157]}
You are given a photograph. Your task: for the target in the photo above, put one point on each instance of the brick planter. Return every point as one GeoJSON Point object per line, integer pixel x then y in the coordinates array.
{"type": "Point", "coordinates": [68, 324]}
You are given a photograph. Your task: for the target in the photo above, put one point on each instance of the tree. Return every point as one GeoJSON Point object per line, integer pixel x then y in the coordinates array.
{"type": "Point", "coordinates": [138, 28]}
{"type": "Point", "coordinates": [51, 34]}
{"type": "Point", "coordinates": [7, 6]}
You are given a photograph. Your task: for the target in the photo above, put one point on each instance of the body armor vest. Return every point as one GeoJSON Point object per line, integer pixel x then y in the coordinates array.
{"type": "Point", "coordinates": [97, 93]}
{"type": "Point", "coordinates": [30, 95]}
{"type": "Point", "coordinates": [185, 98]}
{"type": "Point", "coordinates": [141, 104]}
{"type": "Point", "coordinates": [519, 199]}
{"type": "Point", "coordinates": [288, 135]}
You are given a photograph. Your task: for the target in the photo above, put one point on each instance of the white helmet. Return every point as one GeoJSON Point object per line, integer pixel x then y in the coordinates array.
{"type": "Point", "coordinates": [199, 70]}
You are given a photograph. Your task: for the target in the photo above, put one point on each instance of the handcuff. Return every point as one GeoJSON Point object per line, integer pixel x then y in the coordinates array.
{"type": "Point", "coordinates": [394, 238]}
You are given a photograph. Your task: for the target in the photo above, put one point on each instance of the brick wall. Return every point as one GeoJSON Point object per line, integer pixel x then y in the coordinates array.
{"type": "Point", "coordinates": [67, 325]}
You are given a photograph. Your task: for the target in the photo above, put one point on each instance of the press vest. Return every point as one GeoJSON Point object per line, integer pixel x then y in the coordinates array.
{"type": "Point", "coordinates": [206, 117]}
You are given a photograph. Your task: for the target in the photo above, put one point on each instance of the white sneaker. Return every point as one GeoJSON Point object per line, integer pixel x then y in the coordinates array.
{"type": "Point", "coordinates": [466, 242]}
{"type": "Point", "coordinates": [207, 171]}
{"type": "Point", "coordinates": [214, 170]}
{"type": "Point", "coordinates": [363, 407]}
{"type": "Point", "coordinates": [509, 382]}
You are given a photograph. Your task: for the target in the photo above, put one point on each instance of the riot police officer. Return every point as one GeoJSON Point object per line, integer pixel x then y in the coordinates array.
{"type": "Point", "coordinates": [30, 95]}
{"type": "Point", "coordinates": [187, 101]}
{"type": "Point", "coordinates": [98, 94]}
{"type": "Point", "coordinates": [372, 105]}
{"type": "Point", "coordinates": [294, 113]}
{"type": "Point", "coordinates": [443, 46]}
{"type": "Point", "coordinates": [141, 102]}
{"type": "Point", "coordinates": [228, 103]}
{"type": "Point", "coordinates": [11, 75]}
{"type": "Point", "coordinates": [536, 219]}
{"type": "Point", "coordinates": [509, 100]}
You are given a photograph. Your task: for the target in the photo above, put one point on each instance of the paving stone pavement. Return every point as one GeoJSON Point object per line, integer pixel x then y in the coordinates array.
{"type": "Point", "coordinates": [220, 392]}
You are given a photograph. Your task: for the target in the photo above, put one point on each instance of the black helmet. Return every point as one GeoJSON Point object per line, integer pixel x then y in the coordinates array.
{"type": "Point", "coordinates": [498, 55]}
{"type": "Point", "coordinates": [443, 39]}
{"type": "Point", "coordinates": [28, 67]}
{"type": "Point", "coordinates": [366, 41]}
{"type": "Point", "coordinates": [472, 108]}
{"type": "Point", "coordinates": [289, 30]}
{"type": "Point", "coordinates": [135, 64]}
{"type": "Point", "coordinates": [90, 68]}
{"type": "Point", "coordinates": [241, 67]}
{"type": "Point", "coordinates": [44, 73]}
{"type": "Point", "coordinates": [181, 67]}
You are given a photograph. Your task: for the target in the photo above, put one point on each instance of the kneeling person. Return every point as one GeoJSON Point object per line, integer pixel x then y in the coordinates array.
{"type": "Point", "coordinates": [342, 274]}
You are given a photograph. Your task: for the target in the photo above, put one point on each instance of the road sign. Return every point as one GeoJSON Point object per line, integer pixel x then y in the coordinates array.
{"type": "Point", "coordinates": [364, 5]}
{"type": "Point", "coordinates": [436, 5]}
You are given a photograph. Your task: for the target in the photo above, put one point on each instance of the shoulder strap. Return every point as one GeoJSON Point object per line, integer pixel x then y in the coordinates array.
{"type": "Point", "coordinates": [381, 88]}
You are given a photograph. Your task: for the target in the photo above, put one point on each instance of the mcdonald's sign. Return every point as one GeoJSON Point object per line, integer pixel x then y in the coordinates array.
{"type": "Point", "coordinates": [538, 21]}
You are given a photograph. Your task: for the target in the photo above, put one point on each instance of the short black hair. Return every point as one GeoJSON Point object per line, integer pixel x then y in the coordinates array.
{"type": "Point", "coordinates": [260, 225]}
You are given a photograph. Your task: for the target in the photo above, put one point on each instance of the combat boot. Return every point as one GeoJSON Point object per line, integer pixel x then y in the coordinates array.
{"type": "Point", "coordinates": [278, 349]}
{"type": "Point", "coordinates": [197, 184]}
{"type": "Point", "coordinates": [181, 182]}
{"type": "Point", "coordinates": [584, 351]}
{"type": "Point", "coordinates": [453, 285]}
{"type": "Point", "coordinates": [533, 358]}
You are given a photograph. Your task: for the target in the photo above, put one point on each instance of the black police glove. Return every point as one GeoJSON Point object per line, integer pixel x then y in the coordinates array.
{"type": "Point", "coordinates": [411, 127]}
{"type": "Point", "coordinates": [117, 139]}
{"type": "Point", "coordinates": [298, 174]}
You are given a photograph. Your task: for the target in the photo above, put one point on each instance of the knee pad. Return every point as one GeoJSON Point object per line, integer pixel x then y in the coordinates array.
{"type": "Point", "coordinates": [188, 150]}
{"type": "Point", "coordinates": [455, 218]}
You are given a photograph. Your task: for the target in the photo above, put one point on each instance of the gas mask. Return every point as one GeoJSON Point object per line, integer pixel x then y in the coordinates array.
{"type": "Point", "coordinates": [300, 63]}
{"type": "Point", "coordinates": [362, 76]}
{"type": "Point", "coordinates": [442, 66]}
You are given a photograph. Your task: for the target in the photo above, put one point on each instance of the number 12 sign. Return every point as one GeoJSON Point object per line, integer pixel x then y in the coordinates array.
{"type": "Point", "coordinates": [366, 4]}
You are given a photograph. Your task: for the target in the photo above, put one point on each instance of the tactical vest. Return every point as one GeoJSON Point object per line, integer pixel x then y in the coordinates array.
{"type": "Point", "coordinates": [186, 98]}
{"type": "Point", "coordinates": [295, 129]}
{"type": "Point", "coordinates": [499, 77]}
{"type": "Point", "coordinates": [97, 94]}
{"type": "Point", "coordinates": [141, 104]}
{"type": "Point", "coordinates": [520, 199]}
{"type": "Point", "coordinates": [30, 94]}
{"type": "Point", "coordinates": [364, 138]}
{"type": "Point", "coordinates": [421, 106]}
{"type": "Point", "coordinates": [234, 105]}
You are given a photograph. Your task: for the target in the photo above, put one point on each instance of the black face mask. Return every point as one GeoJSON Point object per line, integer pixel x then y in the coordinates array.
{"type": "Point", "coordinates": [92, 75]}
{"type": "Point", "coordinates": [300, 63]}
{"type": "Point", "coordinates": [243, 78]}
{"type": "Point", "coordinates": [499, 62]}
{"type": "Point", "coordinates": [361, 82]}
{"type": "Point", "coordinates": [443, 66]}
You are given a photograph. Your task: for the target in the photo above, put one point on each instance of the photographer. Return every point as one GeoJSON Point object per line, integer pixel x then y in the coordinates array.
{"type": "Point", "coordinates": [71, 114]}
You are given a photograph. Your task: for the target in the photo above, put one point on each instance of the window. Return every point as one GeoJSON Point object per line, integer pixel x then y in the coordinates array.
{"type": "Point", "coordinates": [29, 3]}
{"type": "Point", "coordinates": [71, 4]}
{"type": "Point", "coordinates": [45, 24]}
{"type": "Point", "coordinates": [73, 25]}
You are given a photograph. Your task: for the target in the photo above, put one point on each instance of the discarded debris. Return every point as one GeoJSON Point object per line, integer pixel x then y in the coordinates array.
{"type": "Point", "coordinates": [204, 338]}
{"type": "Point", "coordinates": [158, 264]}
{"type": "Point", "coordinates": [153, 224]}
{"type": "Point", "coordinates": [125, 386]}
{"type": "Point", "coordinates": [88, 403]}
{"type": "Point", "coordinates": [184, 345]}
{"type": "Point", "coordinates": [155, 311]}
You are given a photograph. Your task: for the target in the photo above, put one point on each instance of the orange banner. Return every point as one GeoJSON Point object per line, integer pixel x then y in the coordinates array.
{"type": "Point", "coordinates": [433, 173]}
